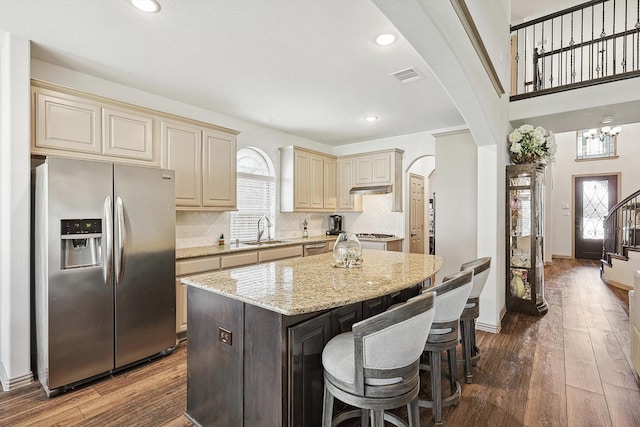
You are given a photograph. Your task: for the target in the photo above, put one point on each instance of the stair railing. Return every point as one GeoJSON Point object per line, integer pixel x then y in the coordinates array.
{"type": "Point", "coordinates": [591, 43]}
{"type": "Point", "coordinates": [622, 228]}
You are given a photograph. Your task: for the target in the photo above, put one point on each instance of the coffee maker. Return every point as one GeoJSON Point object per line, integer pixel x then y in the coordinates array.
{"type": "Point", "coordinates": [335, 225]}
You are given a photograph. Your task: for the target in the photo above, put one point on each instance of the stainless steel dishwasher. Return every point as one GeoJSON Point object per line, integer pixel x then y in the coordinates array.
{"type": "Point", "coordinates": [316, 248]}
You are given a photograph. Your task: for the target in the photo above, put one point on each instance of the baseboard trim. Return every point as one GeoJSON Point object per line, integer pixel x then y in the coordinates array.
{"type": "Point", "coordinates": [562, 257]}
{"type": "Point", "coordinates": [618, 285]}
{"type": "Point", "coordinates": [486, 327]}
{"type": "Point", "coordinates": [9, 384]}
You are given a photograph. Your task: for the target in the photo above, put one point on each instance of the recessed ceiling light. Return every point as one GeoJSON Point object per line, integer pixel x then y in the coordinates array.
{"type": "Point", "coordinates": [385, 39]}
{"type": "Point", "coordinates": [150, 6]}
{"type": "Point", "coordinates": [371, 118]}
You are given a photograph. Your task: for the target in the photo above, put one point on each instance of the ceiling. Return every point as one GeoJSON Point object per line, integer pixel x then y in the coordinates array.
{"type": "Point", "coordinates": [309, 68]}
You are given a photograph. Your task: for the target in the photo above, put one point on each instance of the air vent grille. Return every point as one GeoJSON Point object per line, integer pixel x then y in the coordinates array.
{"type": "Point", "coordinates": [408, 75]}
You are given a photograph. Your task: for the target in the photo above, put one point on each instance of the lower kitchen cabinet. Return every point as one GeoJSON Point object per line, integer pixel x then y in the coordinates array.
{"type": "Point", "coordinates": [343, 318]}
{"type": "Point", "coordinates": [306, 342]}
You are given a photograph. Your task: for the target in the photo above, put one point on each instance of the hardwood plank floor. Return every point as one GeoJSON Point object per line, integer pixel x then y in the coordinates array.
{"type": "Point", "coordinates": [568, 368]}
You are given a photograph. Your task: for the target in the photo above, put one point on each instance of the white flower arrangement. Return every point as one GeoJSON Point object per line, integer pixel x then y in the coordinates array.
{"type": "Point", "coordinates": [529, 144]}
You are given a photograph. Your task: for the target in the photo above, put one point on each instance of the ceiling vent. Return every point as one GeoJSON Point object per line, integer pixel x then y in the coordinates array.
{"type": "Point", "coordinates": [408, 75]}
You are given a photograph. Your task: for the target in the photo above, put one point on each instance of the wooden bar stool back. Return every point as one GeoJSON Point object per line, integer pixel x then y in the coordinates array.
{"type": "Point", "coordinates": [376, 366]}
{"type": "Point", "coordinates": [451, 297]}
{"type": "Point", "coordinates": [470, 351]}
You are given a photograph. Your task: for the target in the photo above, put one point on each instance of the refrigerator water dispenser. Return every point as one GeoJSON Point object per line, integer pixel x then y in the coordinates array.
{"type": "Point", "coordinates": [81, 243]}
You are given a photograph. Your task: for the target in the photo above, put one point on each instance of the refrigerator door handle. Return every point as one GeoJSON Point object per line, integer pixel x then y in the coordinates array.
{"type": "Point", "coordinates": [107, 265]}
{"type": "Point", "coordinates": [122, 241]}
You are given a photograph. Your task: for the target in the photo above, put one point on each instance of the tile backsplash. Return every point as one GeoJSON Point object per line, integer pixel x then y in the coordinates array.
{"type": "Point", "coordinates": [200, 228]}
{"type": "Point", "coordinates": [203, 228]}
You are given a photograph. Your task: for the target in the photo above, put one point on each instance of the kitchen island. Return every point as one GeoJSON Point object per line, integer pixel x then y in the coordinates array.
{"type": "Point", "coordinates": [256, 333]}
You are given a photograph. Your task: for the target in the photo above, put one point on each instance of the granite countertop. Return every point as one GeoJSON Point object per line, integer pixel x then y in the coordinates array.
{"type": "Point", "coordinates": [212, 250]}
{"type": "Point", "coordinates": [199, 251]}
{"type": "Point", "coordinates": [305, 285]}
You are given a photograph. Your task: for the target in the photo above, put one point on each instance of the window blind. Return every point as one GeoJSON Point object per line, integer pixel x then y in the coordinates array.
{"type": "Point", "coordinates": [256, 196]}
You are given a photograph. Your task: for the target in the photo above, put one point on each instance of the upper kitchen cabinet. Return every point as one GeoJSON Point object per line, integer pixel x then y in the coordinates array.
{"type": "Point", "coordinates": [219, 169]}
{"type": "Point", "coordinates": [346, 201]}
{"type": "Point", "coordinates": [73, 124]}
{"type": "Point", "coordinates": [307, 180]}
{"type": "Point", "coordinates": [377, 170]}
{"type": "Point", "coordinates": [182, 152]}
{"type": "Point", "coordinates": [330, 183]}
{"type": "Point", "coordinates": [127, 133]}
{"type": "Point", "coordinates": [204, 161]}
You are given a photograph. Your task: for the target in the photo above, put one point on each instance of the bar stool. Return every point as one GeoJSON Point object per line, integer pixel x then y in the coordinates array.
{"type": "Point", "coordinates": [481, 268]}
{"type": "Point", "coordinates": [451, 297]}
{"type": "Point", "coordinates": [376, 366]}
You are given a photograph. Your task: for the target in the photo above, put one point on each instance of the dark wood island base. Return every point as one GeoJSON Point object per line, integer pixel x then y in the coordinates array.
{"type": "Point", "coordinates": [249, 365]}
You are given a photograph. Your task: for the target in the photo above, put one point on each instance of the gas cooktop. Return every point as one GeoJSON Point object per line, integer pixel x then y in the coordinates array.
{"type": "Point", "coordinates": [373, 236]}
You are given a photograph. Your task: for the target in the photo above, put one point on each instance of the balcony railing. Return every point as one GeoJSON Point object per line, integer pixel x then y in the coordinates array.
{"type": "Point", "coordinates": [591, 43]}
{"type": "Point", "coordinates": [622, 229]}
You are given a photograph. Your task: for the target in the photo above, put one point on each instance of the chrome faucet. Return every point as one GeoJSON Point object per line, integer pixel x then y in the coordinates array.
{"type": "Point", "coordinates": [261, 232]}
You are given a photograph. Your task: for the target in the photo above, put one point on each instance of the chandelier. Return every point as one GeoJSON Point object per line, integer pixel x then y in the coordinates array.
{"type": "Point", "coordinates": [603, 132]}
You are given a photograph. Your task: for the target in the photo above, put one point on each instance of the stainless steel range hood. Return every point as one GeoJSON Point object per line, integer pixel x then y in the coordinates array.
{"type": "Point", "coordinates": [372, 189]}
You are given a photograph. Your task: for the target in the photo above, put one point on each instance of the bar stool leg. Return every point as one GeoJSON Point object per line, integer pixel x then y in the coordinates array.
{"type": "Point", "coordinates": [364, 417]}
{"type": "Point", "coordinates": [453, 369]}
{"type": "Point", "coordinates": [378, 418]}
{"type": "Point", "coordinates": [467, 348]}
{"type": "Point", "coordinates": [436, 387]}
{"type": "Point", "coordinates": [327, 408]}
{"type": "Point", "coordinates": [414, 413]}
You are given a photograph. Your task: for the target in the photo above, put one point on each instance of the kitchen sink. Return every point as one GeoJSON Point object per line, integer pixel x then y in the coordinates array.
{"type": "Point", "coordinates": [264, 242]}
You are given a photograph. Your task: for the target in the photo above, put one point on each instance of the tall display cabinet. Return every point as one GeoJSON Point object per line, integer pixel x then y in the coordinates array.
{"type": "Point", "coordinates": [524, 238]}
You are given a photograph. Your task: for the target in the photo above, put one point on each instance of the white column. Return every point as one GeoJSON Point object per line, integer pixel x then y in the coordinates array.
{"type": "Point", "coordinates": [490, 237]}
{"type": "Point", "coordinates": [15, 194]}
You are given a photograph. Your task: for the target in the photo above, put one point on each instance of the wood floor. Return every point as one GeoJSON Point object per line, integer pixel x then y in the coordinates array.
{"type": "Point", "coordinates": [568, 368]}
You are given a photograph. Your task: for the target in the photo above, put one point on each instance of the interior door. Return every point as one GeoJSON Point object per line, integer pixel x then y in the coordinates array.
{"type": "Point", "coordinates": [144, 259]}
{"type": "Point", "coordinates": [594, 196]}
{"type": "Point", "coordinates": [416, 213]}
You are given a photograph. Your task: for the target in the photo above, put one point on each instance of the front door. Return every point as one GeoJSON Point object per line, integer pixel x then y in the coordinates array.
{"type": "Point", "coordinates": [416, 213]}
{"type": "Point", "coordinates": [594, 196]}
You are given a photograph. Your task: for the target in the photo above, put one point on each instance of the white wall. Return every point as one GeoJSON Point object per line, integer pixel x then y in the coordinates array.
{"type": "Point", "coordinates": [15, 193]}
{"type": "Point", "coordinates": [456, 201]}
{"type": "Point", "coordinates": [565, 168]}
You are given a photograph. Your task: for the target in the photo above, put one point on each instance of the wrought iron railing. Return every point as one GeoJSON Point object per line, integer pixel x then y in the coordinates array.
{"type": "Point", "coordinates": [622, 228]}
{"type": "Point", "coordinates": [591, 43]}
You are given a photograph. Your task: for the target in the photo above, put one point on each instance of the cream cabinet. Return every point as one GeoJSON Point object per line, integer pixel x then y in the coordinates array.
{"type": "Point", "coordinates": [380, 168]}
{"type": "Point", "coordinates": [219, 169]}
{"type": "Point", "coordinates": [330, 199]}
{"type": "Point", "coordinates": [346, 200]}
{"type": "Point", "coordinates": [182, 152]}
{"type": "Point", "coordinates": [65, 122]}
{"type": "Point", "coordinates": [374, 169]}
{"type": "Point", "coordinates": [307, 180]}
{"type": "Point", "coordinates": [184, 268]}
{"type": "Point", "coordinates": [204, 160]}
{"type": "Point", "coordinates": [127, 133]}
{"type": "Point", "coordinates": [72, 125]}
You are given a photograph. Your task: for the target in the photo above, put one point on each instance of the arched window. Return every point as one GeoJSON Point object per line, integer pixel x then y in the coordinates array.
{"type": "Point", "coordinates": [256, 194]}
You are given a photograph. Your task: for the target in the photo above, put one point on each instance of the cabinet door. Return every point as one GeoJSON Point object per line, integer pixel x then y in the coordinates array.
{"type": "Point", "coordinates": [316, 182]}
{"type": "Point", "coordinates": [181, 307]}
{"type": "Point", "coordinates": [362, 170]}
{"type": "Point", "coordinates": [306, 342]}
{"type": "Point", "coordinates": [343, 318]}
{"type": "Point", "coordinates": [219, 172]}
{"type": "Point", "coordinates": [330, 187]}
{"type": "Point", "coordinates": [66, 123]}
{"type": "Point", "coordinates": [346, 200]}
{"type": "Point", "coordinates": [381, 168]}
{"type": "Point", "coordinates": [373, 307]}
{"type": "Point", "coordinates": [301, 183]}
{"type": "Point", "coordinates": [182, 152]}
{"type": "Point", "coordinates": [127, 133]}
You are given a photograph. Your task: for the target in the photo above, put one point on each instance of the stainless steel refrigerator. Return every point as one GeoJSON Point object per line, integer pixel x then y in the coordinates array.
{"type": "Point", "coordinates": [105, 268]}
